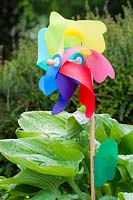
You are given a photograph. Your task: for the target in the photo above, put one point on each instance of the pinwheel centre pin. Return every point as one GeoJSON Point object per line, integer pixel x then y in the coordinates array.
{"type": "Point", "coordinates": [71, 54]}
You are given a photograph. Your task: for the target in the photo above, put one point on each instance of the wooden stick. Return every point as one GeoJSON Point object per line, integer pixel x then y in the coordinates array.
{"type": "Point", "coordinates": [92, 153]}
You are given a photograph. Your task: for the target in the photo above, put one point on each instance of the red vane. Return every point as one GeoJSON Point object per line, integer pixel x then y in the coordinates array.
{"type": "Point", "coordinates": [83, 75]}
{"type": "Point", "coordinates": [86, 97]}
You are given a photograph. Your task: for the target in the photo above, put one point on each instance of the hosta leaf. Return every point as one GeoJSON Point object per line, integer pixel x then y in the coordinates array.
{"type": "Point", "coordinates": [105, 162]}
{"type": "Point", "coordinates": [100, 133]}
{"type": "Point", "coordinates": [80, 117]}
{"type": "Point", "coordinates": [126, 128]}
{"type": "Point", "coordinates": [100, 124]}
{"type": "Point", "coordinates": [3, 187]}
{"type": "Point", "coordinates": [105, 189]}
{"type": "Point", "coordinates": [116, 132]}
{"type": "Point", "coordinates": [23, 134]}
{"type": "Point", "coordinates": [108, 198]}
{"type": "Point", "coordinates": [45, 194]}
{"type": "Point", "coordinates": [51, 195]}
{"type": "Point", "coordinates": [125, 196]}
{"type": "Point", "coordinates": [83, 139]}
{"type": "Point", "coordinates": [68, 197]}
{"type": "Point", "coordinates": [123, 172]}
{"type": "Point", "coordinates": [44, 155]}
{"type": "Point", "coordinates": [73, 127]}
{"type": "Point", "coordinates": [106, 120]}
{"type": "Point", "coordinates": [14, 196]}
{"type": "Point", "coordinates": [126, 145]}
{"type": "Point", "coordinates": [127, 165]}
{"type": "Point", "coordinates": [130, 167]}
{"type": "Point", "coordinates": [30, 177]}
{"type": "Point", "coordinates": [42, 122]}
{"type": "Point", "coordinates": [26, 189]}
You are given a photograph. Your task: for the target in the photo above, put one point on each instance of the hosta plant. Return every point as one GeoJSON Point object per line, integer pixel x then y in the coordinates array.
{"type": "Point", "coordinates": [52, 155]}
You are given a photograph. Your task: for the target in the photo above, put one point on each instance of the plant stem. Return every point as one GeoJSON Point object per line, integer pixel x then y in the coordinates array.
{"type": "Point", "coordinates": [82, 196]}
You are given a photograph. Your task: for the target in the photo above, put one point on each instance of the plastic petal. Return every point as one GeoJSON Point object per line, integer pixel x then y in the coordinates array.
{"type": "Point", "coordinates": [100, 66]}
{"type": "Point", "coordinates": [66, 87]}
{"type": "Point", "coordinates": [105, 162]}
{"type": "Point", "coordinates": [59, 106]}
{"type": "Point", "coordinates": [48, 83]}
{"type": "Point", "coordinates": [81, 74]}
{"type": "Point", "coordinates": [69, 52]}
{"type": "Point", "coordinates": [42, 50]}
{"type": "Point", "coordinates": [41, 84]}
{"type": "Point", "coordinates": [86, 97]}
{"type": "Point", "coordinates": [88, 33]}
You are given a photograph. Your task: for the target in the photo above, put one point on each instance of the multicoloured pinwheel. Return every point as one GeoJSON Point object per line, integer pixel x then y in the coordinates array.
{"type": "Point", "coordinates": [70, 52]}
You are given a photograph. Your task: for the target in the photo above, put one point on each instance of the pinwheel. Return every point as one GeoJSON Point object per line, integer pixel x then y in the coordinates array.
{"type": "Point", "coordinates": [68, 65]}
{"type": "Point", "coordinates": [70, 53]}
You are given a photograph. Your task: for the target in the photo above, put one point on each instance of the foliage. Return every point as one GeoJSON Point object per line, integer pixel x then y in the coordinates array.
{"type": "Point", "coordinates": [18, 16]}
{"type": "Point", "coordinates": [19, 85]}
{"type": "Point", "coordinates": [114, 7]}
{"type": "Point", "coordinates": [52, 153]}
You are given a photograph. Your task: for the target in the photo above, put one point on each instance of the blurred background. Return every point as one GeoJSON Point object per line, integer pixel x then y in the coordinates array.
{"type": "Point", "coordinates": [20, 21]}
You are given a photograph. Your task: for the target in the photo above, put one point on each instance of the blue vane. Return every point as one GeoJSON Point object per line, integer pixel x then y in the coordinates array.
{"type": "Point", "coordinates": [42, 50]}
{"type": "Point", "coordinates": [48, 83]}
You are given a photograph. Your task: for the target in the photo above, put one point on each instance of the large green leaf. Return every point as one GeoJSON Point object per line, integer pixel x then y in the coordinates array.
{"type": "Point", "coordinates": [125, 166]}
{"type": "Point", "coordinates": [130, 167]}
{"type": "Point", "coordinates": [44, 155]}
{"type": "Point", "coordinates": [73, 127]}
{"type": "Point", "coordinates": [14, 196]}
{"type": "Point", "coordinates": [116, 132]}
{"type": "Point", "coordinates": [27, 134]}
{"type": "Point", "coordinates": [80, 117]}
{"type": "Point", "coordinates": [51, 195]}
{"type": "Point", "coordinates": [83, 139]}
{"type": "Point", "coordinates": [123, 172]}
{"type": "Point", "coordinates": [126, 145]}
{"type": "Point", "coordinates": [68, 197]}
{"type": "Point", "coordinates": [30, 177]}
{"type": "Point", "coordinates": [100, 132]}
{"type": "Point", "coordinates": [45, 194]}
{"type": "Point", "coordinates": [43, 122]}
{"type": "Point", "coordinates": [3, 187]}
{"type": "Point", "coordinates": [125, 196]}
{"type": "Point", "coordinates": [106, 121]}
{"type": "Point", "coordinates": [102, 122]}
{"type": "Point", "coordinates": [108, 198]}
{"type": "Point", "coordinates": [126, 128]}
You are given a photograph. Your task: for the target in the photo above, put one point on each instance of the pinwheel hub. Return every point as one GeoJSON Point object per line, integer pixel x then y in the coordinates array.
{"type": "Point", "coordinates": [56, 61]}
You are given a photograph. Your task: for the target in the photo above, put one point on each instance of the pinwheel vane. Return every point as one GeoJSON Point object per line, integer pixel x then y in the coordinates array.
{"type": "Point", "coordinates": [70, 53]}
